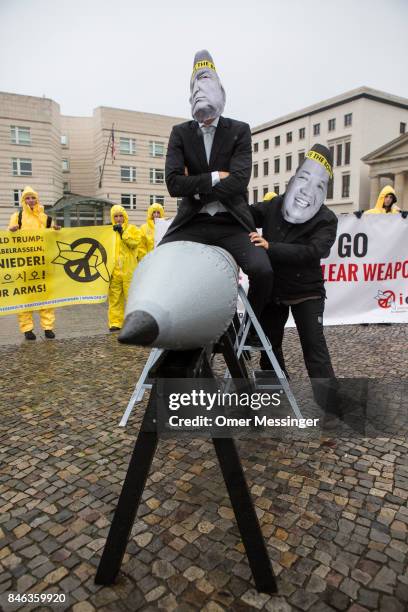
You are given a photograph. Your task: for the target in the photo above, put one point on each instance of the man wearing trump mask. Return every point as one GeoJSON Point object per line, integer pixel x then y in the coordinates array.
{"type": "Point", "coordinates": [208, 165]}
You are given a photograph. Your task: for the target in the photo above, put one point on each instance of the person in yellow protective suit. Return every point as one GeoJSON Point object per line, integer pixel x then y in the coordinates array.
{"type": "Point", "coordinates": [385, 202]}
{"type": "Point", "coordinates": [155, 211]}
{"type": "Point", "coordinates": [33, 217]}
{"type": "Point", "coordinates": [269, 196]}
{"type": "Point", "coordinates": [127, 242]}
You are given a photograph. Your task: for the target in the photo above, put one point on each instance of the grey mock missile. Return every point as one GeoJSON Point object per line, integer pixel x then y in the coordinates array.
{"type": "Point", "coordinates": [183, 295]}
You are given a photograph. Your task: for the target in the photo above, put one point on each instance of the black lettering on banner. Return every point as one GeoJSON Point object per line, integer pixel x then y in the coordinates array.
{"type": "Point", "coordinates": [360, 245]}
{"type": "Point", "coordinates": [357, 246]}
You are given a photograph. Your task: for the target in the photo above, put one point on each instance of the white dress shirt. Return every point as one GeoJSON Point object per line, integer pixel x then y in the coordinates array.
{"type": "Point", "coordinates": [208, 135]}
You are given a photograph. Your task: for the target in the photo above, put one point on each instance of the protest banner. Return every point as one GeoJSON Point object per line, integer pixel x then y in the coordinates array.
{"type": "Point", "coordinates": [366, 272]}
{"type": "Point", "coordinates": [49, 268]}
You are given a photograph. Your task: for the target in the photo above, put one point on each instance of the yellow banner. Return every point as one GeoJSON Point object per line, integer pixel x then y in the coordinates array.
{"type": "Point", "coordinates": [49, 268]}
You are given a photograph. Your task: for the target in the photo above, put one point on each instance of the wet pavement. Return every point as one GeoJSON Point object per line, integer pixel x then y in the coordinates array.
{"type": "Point", "coordinates": [335, 519]}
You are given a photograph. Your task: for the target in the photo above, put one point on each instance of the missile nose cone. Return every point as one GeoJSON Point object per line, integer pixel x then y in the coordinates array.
{"type": "Point", "coordinates": [139, 328]}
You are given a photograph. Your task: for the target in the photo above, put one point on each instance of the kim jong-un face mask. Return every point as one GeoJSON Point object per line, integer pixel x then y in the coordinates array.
{"type": "Point", "coordinates": [306, 192]}
{"type": "Point", "coordinates": [207, 95]}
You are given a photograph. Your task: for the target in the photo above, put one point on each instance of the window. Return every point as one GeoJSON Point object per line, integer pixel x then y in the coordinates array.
{"type": "Point", "coordinates": [331, 149]}
{"type": "Point", "coordinates": [256, 147]}
{"type": "Point", "coordinates": [276, 189]}
{"type": "Point", "coordinates": [316, 129]}
{"type": "Point", "coordinates": [403, 127]}
{"type": "Point", "coordinates": [266, 168]}
{"type": "Point", "coordinates": [20, 135]}
{"type": "Point", "coordinates": [255, 196]}
{"type": "Point", "coordinates": [266, 145]}
{"type": "Point", "coordinates": [339, 154]}
{"type": "Point", "coordinates": [332, 125]}
{"type": "Point", "coordinates": [127, 146]}
{"type": "Point", "coordinates": [65, 165]}
{"type": "Point", "coordinates": [178, 202]}
{"type": "Point", "coordinates": [156, 176]}
{"type": "Point", "coordinates": [156, 148]}
{"type": "Point", "coordinates": [22, 167]}
{"type": "Point", "coordinates": [157, 199]}
{"type": "Point", "coordinates": [347, 148]}
{"type": "Point", "coordinates": [345, 186]}
{"type": "Point", "coordinates": [277, 165]}
{"type": "Point", "coordinates": [255, 170]}
{"type": "Point", "coordinates": [288, 163]}
{"type": "Point", "coordinates": [64, 140]}
{"type": "Point", "coordinates": [66, 187]}
{"type": "Point", "coordinates": [301, 157]}
{"type": "Point", "coordinates": [330, 189]}
{"type": "Point", "coordinates": [348, 119]}
{"type": "Point", "coordinates": [277, 141]}
{"type": "Point", "coordinates": [17, 193]}
{"type": "Point", "coordinates": [128, 200]}
{"type": "Point", "coordinates": [265, 190]}
{"type": "Point", "coordinates": [288, 136]}
{"type": "Point", "coordinates": [127, 174]}
{"type": "Point", "coordinates": [302, 132]}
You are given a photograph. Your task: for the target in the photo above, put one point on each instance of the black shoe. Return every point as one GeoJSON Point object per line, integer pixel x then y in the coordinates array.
{"type": "Point", "coordinates": [49, 334]}
{"type": "Point", "coordinates": [30, 335]}
{"type": "Point", "coordinates": [114, 328]}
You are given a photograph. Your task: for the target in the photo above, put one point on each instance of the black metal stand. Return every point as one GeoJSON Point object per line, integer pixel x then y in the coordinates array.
{"type": "Point", "coordinates": [187, 364]}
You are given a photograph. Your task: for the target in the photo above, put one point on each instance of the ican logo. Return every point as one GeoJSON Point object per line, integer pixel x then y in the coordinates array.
{"type": "Point", "coordinates": [388, 300]}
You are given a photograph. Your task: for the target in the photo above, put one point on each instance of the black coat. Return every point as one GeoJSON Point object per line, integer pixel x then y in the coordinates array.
{"type": "Point", "coordinates": [295, 249]}
{"type": "Point", "coordinates": [231, 152]}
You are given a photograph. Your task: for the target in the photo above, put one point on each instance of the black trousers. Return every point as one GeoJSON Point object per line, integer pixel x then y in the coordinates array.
{"type": "Point", "coordinates": [223, 231]}
{"type": "Point", "coordinates": [308, 317]}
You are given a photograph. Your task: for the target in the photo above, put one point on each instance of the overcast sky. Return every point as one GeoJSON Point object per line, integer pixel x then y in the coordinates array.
{"type": "Point", "coordinates": [273, 56]}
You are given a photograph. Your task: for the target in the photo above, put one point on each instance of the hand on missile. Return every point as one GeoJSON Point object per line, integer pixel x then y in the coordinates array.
{"type": "Point", "coordinates": [118, 228]}
{"type": "Point", "coordinates": [258, 240]}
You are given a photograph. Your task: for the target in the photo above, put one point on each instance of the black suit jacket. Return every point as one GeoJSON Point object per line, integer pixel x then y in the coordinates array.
{"type": "Point", "coordinates": [295, 249]}
{"type": "Point", "coordinates": [231, 151]}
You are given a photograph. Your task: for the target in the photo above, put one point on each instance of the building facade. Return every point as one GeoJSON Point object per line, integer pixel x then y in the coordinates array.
{"type": "Point", "coordinates": [351, 125]}
{"type": "Point", "coordinates": [57, 154]}
{"type": "Point", "coordinates": [389, 165]}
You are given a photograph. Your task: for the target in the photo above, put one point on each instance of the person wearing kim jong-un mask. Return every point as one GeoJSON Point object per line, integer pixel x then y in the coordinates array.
{"type": "Point", "coordinates": [297, 231]}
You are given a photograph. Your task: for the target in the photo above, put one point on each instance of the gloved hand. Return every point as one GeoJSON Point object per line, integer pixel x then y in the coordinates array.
{"type": "Point", "coordinates": [118, 228]}
{"type": "Point", "coordinates": [404, 214]}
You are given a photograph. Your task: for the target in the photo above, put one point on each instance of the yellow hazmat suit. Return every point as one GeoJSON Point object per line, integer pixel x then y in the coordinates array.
{"type": "Point", "coordinates": [32, 219]}
{"type": "Point", "coordinates": [379, 207]}
{"type": "Point", "coordinates": [125, 262]}
{"type": "Point", "coordinates": [147, 231]}
{"type": "Point", "coordinates": [269, 196]}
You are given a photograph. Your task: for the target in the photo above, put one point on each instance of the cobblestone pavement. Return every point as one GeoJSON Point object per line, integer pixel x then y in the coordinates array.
{"type": "Point", "coordinates": [335, 519]}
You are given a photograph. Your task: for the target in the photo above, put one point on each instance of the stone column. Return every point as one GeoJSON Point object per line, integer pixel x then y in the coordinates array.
{"type": "Point", "coordinates": [399, 186]}
{"type": "Point", "coordinates": [375, 185]}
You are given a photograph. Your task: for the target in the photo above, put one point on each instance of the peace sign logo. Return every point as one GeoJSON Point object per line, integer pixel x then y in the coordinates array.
{"type": "Point", "coordinates": [84, 260]}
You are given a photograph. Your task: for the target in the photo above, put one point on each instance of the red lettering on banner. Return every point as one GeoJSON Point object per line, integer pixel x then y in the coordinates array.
{"type": "Point", "coordinates": [335, 273]}
{"type": "Point", "coordinates": [383, 271]}
{"type": "Point", "coordinates": [370, 272]}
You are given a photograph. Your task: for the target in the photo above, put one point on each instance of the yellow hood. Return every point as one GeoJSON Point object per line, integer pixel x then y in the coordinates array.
{"type": "Point", "coordinates": [38, 208]}
{"type": "Point", "coordinates": [119, 210]}
{"type": "Point", "coordinates": [269, 196]}
{"type": "Point", "coordinates": [151, 210]}
{"type": "Point", "coordinates": [379, 206]}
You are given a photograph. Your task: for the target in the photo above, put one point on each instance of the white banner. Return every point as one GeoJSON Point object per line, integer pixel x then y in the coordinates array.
{"type": "Point", "coordinates": [366, 272]}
